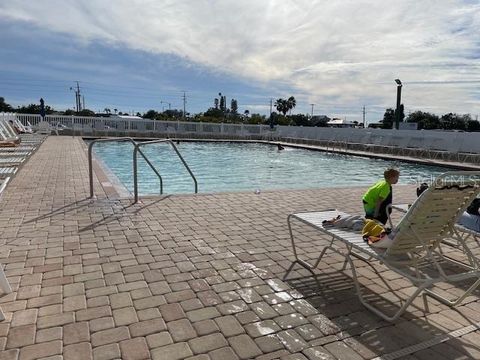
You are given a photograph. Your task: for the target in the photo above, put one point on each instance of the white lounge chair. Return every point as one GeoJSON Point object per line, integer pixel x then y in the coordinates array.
{"type": "Point", "coordinates": [416, 247]}
{"type": "Point", "coordinates": [44, 128]}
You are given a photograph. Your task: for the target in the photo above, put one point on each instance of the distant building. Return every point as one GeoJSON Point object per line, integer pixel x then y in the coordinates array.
{"type": "Point", "coordinates": [340, 123]}
{"type": "Point", "coordinates": [119, 117]}
{"type": "Point", "coordinates": [128, 117]}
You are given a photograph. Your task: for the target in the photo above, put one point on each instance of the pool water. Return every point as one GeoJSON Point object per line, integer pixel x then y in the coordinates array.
{"type": "Point", "coordinates": [230, 166]}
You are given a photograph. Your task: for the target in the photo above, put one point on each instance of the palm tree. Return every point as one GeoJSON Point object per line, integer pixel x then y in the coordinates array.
{"type": "Point", "coordinates": [282, 106]}
{"type": "Point", "coordinates": [291, 103]}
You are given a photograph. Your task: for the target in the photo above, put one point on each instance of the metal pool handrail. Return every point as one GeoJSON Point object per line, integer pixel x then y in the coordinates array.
{"type": "Point", "coordinates": [90, 165]}
{"type": "Point", "coordinates": [137, 148]}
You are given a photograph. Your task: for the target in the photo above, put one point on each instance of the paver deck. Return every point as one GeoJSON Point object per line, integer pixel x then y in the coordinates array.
{"type": "Point", "coordinates": [191, 276]}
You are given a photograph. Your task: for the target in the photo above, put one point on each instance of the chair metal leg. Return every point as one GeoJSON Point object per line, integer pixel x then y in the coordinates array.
{"type": "Point", "coordinates": [376, 310]}
{"type": "Point", "coordinates": [456, 301]}
{"type": "Point", "coordinates": [4, 284]}
{"type": "Point", "coordinates": [4, 287]}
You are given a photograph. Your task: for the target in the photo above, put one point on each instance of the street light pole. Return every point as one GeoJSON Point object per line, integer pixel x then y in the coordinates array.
{"type": "Point", "coordinates": [399, 96]}
{"type": "Point", "coordinates": [164, 102]}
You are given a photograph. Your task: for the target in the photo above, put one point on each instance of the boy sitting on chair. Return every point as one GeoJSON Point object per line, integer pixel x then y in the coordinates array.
{"type": "Point", "coordinates": [379, 196]}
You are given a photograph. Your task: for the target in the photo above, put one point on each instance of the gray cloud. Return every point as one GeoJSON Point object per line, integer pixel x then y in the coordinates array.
{"type": "Point", "coordinates": [340, 53]}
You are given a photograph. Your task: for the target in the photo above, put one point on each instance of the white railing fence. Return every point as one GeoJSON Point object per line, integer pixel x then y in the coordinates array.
{"type": "Point", "coordinates": [429, 140]}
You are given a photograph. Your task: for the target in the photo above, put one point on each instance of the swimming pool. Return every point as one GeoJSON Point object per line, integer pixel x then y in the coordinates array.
{"type": "Point", "coordinates": [231, 166]}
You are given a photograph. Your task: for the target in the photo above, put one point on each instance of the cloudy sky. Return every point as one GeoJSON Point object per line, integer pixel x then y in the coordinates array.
{"type": "Point", "coordinates": [135, 55]}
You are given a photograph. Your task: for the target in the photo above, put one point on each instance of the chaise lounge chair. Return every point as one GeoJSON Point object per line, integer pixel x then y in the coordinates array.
{"type": "Point", "coordinates": [415, 251]}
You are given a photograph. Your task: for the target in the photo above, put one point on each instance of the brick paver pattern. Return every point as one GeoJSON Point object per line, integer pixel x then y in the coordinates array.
{"type": "Point", "coordinates": [191, 276]}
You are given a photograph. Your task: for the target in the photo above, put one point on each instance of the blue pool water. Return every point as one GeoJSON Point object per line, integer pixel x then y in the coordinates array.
{"type": "Point", "coordinates": [228, 166]}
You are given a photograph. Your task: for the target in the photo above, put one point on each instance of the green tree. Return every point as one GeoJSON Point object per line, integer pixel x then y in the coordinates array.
{"type": "Point", "coordinates": [320, 121]}
{"type": "Point", "coordinates": [257, 119]}
{"type": "Point", "coordinates": [300, 120]}
{"type": "Point", "coordinates": [282, 106]}
{"type": "Point", "coordinates": [452, 121]}
{"type": "Point", "coordinates": [285, 105]}
{"type": "Point", "coordinates": [223, 105]}
{"type": "Point", "coordinates": [473, 125]}
{"type": "Point", "coordinates": [424, 120]}
{"type": "Point", "coordinates": [150, 114]}
{"type": "Point", "coordinates": [34, 109]}
{"type": "Point", "coordinates": [291, 103]}
{"type": "Point", "coordinates": [86, 112]}
{"type": "Point", "coordinates": [214, 112]}
{"type": "Point", "coordinates": [388, 118]}
{"type": "Point", "coordinates": [4, 107]}
{"type": "Point", "coordinates": [234, 106]}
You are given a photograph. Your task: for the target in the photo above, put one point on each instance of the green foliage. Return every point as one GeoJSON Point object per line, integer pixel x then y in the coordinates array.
{"type": "Point", "coordinates": [388, 118]}
{"type": "Point", "coordinates": [284, 105]}
{"type": "Point", "coordinates": [257, 119]}
{"type": "Point", "coordinates": [33, 109]}
{"type": "Point", "coordinates": [223, 100]}
{"type": "Point", "coordinates": [214, 113]}
{"type": "Point", "coordinates": [4, 107]}
{"type": "Point", "coordinates": [424, 120]}
{"type": "Point", "coordinates": [473, 125]}
{"type": "Point", "coordinates": [150, 114]}
{"type": "Point", "coordinates": [234, 106]}
{"type": "Point", "coordinates": [300, 120]}
{"type": "Point", "coordinates": [320, 121]}
{"type": "Point", "coordinates": [282, 120]}
{"type": "Point", "coordinates": [454, 122]}
{"type": "Point", "coordinates": [86, 112]}
{"type": "Point", "coordinates": [173, 113]}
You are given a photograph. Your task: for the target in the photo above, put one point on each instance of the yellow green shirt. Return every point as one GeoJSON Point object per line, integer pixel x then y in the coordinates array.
{"type": "Point", "coordinates": [381, 189]}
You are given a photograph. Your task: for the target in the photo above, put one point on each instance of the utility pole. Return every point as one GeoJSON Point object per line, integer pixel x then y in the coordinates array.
{"type": "Point", "coordinates": [79, 107]}
{"type": "Point", "coordinates": [78, 102]}
{"type": "Point", "coordinates": [184, 102]}
{"type": "Point", "coordinates": [363, 115]}
{"type": "Point", "coordinates": [271, 106]}
{"type": "Point", "coordinates": [83, 100]}
{"type": "Point", "coordinates": [312, 109]}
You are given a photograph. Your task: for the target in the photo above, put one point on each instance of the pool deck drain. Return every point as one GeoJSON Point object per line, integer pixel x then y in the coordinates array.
{"type": "Point", "coordinates": [191, 276]}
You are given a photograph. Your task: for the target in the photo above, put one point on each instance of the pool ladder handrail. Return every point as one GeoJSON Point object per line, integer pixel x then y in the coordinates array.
{"type": "Point", "coordinates": [137, 149]}
{"type": "Point", "coordinates": [135, 166]}
{"type": "Point", "coordinates": [90, 161]}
